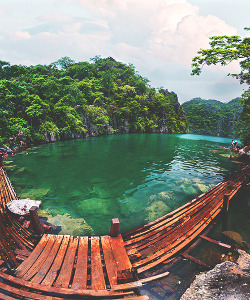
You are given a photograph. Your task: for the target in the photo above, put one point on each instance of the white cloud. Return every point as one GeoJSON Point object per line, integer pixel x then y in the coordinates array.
{"type": "Point", "coordinates": [19, 35]}
{"type": "Point", "coordinates": [153, 30]}
{"type": "Point", "coordinates": [4, 10]}
{"type": "Point", "coordinates": [55, 17]}
{"type": "Point", "coordinates": [167, 30]}
{"type": "Point", "coordinates": [148, 33]}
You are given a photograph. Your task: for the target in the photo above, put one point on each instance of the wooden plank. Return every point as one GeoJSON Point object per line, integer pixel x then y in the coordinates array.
{"type": "Point", "coordinates": [181, 237]}
{"type": "Point", "coordinates": [80, 277]}
{"type": "Point", "coordinates": [195, 260]}
{"type": "Point", "coordinates": [110, 262]}
{"type": "Point", "coordinates": [139, 283]}
{"type": "Point", "coordinates": [23, 252]}
{"type": "Point", "coordinates": [47, 264]}
{"type": "Point", "coordinates": [25, 266]}
{"type": "Point", "coordinates": [152, 278]}
{"type": "Point", "coordinates": [52, 274]}
{"type": "Point", "coordinates": [166, 230]}
{"type": "Point", "coordinates": [179, 231]}
{"type": "Point", "coordinates": [41, 259]}
{"type": "Point", "coordinates": [142, 239]}
{"type": "Point", "coordinates": [120, 254]}
{"type": "Point", "coordinates": [5, 297]}
{"type": "Point", "coordinates": [23, 293]}
{"type": "Point", "coordinates": [97, 276]}
{"type": "Point", "coordinates": [62, 291]}
{"type": "Point", "coordinates": [25, 237]}
{"type": "Point", "coordinates": [168, 252]}
{"type": "Point", "coordinates": [144, 297]}
{"type": "Point", "coordinates": [156, 223]}
{"type": "Point", "coordinates": [10, 188]}
{"type": "Point", "coordinates": [2, 262]}
{"type": "Point", "coordinates": [66, 271]}
{"type": "Point", "coordinates": [18, 237]}
{"type": "Point", "coordinates": [4, 242]}
{"type": "Point", "coordinates": [215, 242]}
{"type": "Point", "coordinates": [125, 271]}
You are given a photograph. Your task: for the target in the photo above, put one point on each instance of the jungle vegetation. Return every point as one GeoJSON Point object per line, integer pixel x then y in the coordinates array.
{"type": "Point", "coordinates": [75, 99]}
{"type": "Point", "coordinates": [223, 50]}
{"type": "Point", "coordinates": [212, 117]}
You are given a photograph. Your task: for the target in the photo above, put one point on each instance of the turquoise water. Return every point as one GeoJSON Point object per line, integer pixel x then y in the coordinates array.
{"type": "Point", "coordinates": [137, 178]}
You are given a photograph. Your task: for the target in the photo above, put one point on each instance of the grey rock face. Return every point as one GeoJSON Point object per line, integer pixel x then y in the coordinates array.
{"type": "Point", "coordinates": [227, 281]}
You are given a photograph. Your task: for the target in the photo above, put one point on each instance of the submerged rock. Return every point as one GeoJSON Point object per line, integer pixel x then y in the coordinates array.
{"type": "Point", "coordinates": [68, 225]}
{"type": "Point", "coordinates": [202, 187]}
{"type": "Point", "coordinates": [156, 210]}
{"type": "Point", "coordinates": [35, 193]}
{"type": "Point", "coordinates": [192, 186]}
{"type": "Point", "coordinates": [236, 237]}
{"type": "Point", "coordinates": [166, 195]}
{"type": "Point", "coordinates": [227, 281]}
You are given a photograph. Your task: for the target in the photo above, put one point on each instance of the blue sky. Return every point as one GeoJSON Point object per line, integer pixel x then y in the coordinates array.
{"type": "Point", "coordinates": [160, 37]}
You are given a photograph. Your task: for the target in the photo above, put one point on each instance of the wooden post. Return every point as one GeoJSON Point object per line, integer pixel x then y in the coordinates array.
{"type": "Point", "coordinates": [225, 212]}
{"type": "Point", "coordinates": [1, 159]}
{"type": "Point", "coordinates": [35, 221]}
{"type": "Point", "coordinates": [114, 228]}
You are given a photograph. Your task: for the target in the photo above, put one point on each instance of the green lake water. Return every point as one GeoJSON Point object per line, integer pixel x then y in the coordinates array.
{"type": "Point", "coordinates": [137, 178]}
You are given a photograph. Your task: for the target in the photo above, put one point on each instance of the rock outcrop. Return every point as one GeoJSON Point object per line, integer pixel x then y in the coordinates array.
{"type": "Point", "coordinates": [227, 281]}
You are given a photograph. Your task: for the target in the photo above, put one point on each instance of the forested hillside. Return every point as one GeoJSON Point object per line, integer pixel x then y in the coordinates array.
{"type": "Point", "coordinates": [213, 117]}
{"type": "Point", "coordinates": [67, 99]}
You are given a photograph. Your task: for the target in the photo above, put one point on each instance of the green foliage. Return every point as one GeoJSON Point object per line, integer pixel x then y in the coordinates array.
{"type": "Point", "coordinates": [49, 126]}
{"type": "Point", "coordinates": [98, 116]}
{"type": "Point", "coordinates": [223, 50]}
{"type": "Point", "coordinates": [244, 127]}
{"type": "Point", "coordinates": [213, 117]}
{"type": "Point", "coordinates": [63, 63]}
{"type": "Point", "coordinates": [67, 98]}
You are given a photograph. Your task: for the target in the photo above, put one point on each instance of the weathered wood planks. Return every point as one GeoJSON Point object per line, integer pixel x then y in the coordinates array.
{"type": "Point", "coordinates": [163, 238]}
{"type": "Point", "coordinates": [97, 276]}
{"type": "Point", "coordinates": [77, 263]}
{"type": "Point", "coordinates": [104, 266]}
{"type": "Point", "coordinates": [80, 277]}
{"type": "Point", "coordinates": [12, 235]}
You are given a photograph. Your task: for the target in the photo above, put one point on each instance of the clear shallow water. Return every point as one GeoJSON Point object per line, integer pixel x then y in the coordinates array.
{"type": "Point", "coordinates": [137, 178]}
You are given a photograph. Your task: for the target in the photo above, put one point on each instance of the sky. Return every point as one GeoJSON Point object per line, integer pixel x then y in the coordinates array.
{"type": "Point", "coordinates": [159, 37]}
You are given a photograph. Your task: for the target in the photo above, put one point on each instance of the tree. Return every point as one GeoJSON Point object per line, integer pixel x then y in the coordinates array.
{"type": "Point", "coordinates": [225, 49]}
{"type": "Point", "coordinates": [63, 63]}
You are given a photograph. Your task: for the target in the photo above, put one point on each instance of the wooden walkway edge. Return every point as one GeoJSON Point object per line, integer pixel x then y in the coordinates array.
{"type": "Point", "coordinates": [107, 267]}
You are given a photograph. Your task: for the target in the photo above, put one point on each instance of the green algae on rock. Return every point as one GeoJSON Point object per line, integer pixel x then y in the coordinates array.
{"type": "Point", "coordinates": [76, 227]}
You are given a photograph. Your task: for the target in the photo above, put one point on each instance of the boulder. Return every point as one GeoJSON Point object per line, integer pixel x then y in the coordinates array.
{"type": "Point", "coordinates": [23, 206]}
{"type": "Point", "coordinates": [227, 281]}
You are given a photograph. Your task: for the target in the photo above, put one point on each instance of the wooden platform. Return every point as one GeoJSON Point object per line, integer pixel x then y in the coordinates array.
{"type": "Point", "coordinates": [104, 267]}
{"type": "Point", "coordinates": [13, 236]}
{"type": "Point", "coordinates": [96, 263]}
{"type": "Point", "coordinates": [161, 240]}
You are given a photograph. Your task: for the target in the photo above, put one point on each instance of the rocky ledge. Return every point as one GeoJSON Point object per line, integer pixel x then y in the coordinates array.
{"type": "Point", "coordinates": [227, 281]}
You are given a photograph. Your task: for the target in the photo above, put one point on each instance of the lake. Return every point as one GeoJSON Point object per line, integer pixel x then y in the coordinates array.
{"type": "Point", "coordinates": [137, 178]}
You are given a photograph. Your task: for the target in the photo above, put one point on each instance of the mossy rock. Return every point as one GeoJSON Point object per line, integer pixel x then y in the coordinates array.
{"type": "Point", "coordinates": [156, 210]}
{"type": "Point", "coordinates": [36, 194]}
{"type": "Point", "coordinates": [76, 227]}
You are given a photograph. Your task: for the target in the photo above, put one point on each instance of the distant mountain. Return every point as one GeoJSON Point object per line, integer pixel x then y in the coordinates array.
{"type": "Point", "coordinates": [212, 117]}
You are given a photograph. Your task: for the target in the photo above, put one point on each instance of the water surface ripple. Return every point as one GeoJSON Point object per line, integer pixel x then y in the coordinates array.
{"type": "Point", "coordinates": [136, 178]}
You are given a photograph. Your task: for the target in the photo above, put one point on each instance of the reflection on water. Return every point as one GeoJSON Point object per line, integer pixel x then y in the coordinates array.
{"type": "Point", "coordinates": [136, 177]}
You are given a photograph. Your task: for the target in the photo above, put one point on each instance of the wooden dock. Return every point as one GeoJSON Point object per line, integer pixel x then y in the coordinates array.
{"type": "Point", "coordinates": [57, 267]}
{"type": "Point", "coordinates": [13, 236]}
{"type": "Point", "coordinates": [159, 241]}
